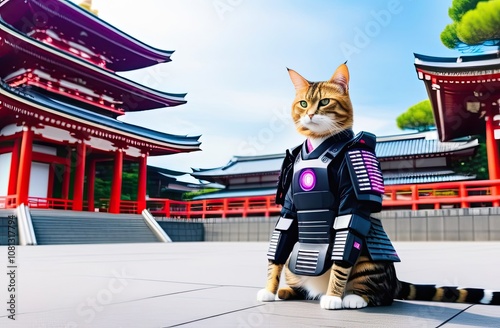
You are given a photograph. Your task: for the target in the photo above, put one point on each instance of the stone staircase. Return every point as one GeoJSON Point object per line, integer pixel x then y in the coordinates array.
{"type": "Point", "coordinates": [55, 227]}
{"type": "Point", "coordinates": [4, 226]}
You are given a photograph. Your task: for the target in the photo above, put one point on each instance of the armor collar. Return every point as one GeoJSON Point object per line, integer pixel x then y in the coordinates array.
{"type": "Point", "coordinates": [339, 139]}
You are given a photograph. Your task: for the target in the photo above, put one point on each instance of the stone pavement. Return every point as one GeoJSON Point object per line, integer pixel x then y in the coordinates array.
{"type": "Point", "coordinates": [215, 285]}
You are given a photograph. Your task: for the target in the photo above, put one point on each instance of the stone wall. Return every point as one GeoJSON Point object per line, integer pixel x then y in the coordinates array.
{"type": "Point", "coordinates": [456, 224]}
{"type": "Point", "coordinates": [460, 224]}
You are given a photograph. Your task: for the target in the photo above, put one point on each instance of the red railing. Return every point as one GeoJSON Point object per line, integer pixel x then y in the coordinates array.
{"type": "Point", "coordinates": [8, 202]}
{"type": "Point", "coordinates": [424, 196]}
{"type": "Point", "coordinates": [53, 203]}
{"type": "Point", "coordinates": [224, 207]}
{"type": "Point", "coordinates": [441, 195]}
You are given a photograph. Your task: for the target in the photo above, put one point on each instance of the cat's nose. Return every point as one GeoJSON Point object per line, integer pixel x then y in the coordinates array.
{"type": "Point", "coordinates": [311, 116]}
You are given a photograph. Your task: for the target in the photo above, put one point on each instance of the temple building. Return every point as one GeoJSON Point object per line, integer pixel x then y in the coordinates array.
{"type": "Point", "coordinates": [464, 92]}
{"type": "Point", "coordinates": [171, 184]}
{"type": "Point", "coordinates": [243, 176]}
{"type": "Point", "coordinates": [60, 104]}
{"type": "Point", "coordinates": [414, 158]}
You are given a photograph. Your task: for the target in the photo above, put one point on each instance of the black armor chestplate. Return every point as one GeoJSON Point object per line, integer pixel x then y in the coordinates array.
{"type": "Point", "coordinates": [315, 206]}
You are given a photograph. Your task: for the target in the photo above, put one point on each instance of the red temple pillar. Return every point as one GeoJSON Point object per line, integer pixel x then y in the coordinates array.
{"type": "Point", "coordinates": [492, 149]}
{"type": "Point", "coordinates": [116, 186]}
{"type": "Point", "coordinates": [66, 180]}
{"type": "Point", "coordinates": [491, 146]}
{"type": "Point", "coordinates": [14, 166]}
{"type": "Point", "coordinates": [81, 149]}
{"type": "Point", "coordinates": [142, 183]}
{"type": "Point", "coordinates": [91, 186]}
{"type": "Point", "coordinates": [25, 155]}
{"type": "Point", "coordinates": [50, 187]}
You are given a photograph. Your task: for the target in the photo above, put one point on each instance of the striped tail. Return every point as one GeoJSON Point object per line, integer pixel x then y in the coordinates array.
{"type": "Point", "coordinates": [408, 291]}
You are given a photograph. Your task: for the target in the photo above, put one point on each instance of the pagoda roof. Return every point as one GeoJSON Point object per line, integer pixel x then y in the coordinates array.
{"type": "Point", "coordinates": [489, 60]}
{"type": "Point", "coordinates": [160, 143]}
{"type": "Point", "coordinates": [171, 180]}
{"type": "Point", "coordinates": [80, 28]}
{"type": "Point", "coordinates": [420, 145]}
{"type": "Point", "coordinates": [243, 165]}
{"type": "Point", "coordinates": [423, 176]}
{"type": "Point", "coordinates": [166, 172]}
{"type": "Point", "coordinates": [20, 52]}
{"type": "Point", "coordinates": [461, 89]}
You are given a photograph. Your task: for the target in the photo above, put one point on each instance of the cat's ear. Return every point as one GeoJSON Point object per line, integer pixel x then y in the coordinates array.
{"type": "Point", "coordinates": [298, 81]}
{"type": "Point", "coordinates": [341, 77]}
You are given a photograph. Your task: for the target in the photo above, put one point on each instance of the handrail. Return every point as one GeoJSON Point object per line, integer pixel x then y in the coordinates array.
{"type": "Point", "coordinates": [26, 234]}
{"type": "Point", "coordinates": [31, 230]}
{"type": "Point", "coordinates": [155, 227]}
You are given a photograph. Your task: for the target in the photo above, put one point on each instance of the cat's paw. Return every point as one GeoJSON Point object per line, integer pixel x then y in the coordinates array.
{"type": "Point", "coordinates": [353, 301]}
{"type": "Point", "coordinates": [265, 296]}
{"type": "Point", "coordinates": [330, 302]}
{"type": "Point", "coordinates": [287, 293]}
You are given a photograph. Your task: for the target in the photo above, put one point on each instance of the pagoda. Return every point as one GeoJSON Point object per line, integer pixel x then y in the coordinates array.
{"type": "Point", "coordinates": [60, 100]}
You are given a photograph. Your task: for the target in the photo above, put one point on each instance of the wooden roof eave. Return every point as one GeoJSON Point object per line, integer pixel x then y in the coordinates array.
{"type": "Point", "coordinates": [158, 146]}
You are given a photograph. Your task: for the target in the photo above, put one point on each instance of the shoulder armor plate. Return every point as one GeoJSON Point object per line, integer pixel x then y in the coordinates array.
{"type": "Point", "coordinates": [365, 172]}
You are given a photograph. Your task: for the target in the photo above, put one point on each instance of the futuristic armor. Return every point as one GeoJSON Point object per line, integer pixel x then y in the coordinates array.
{"type": "Point", "coordinates": [327, 197]}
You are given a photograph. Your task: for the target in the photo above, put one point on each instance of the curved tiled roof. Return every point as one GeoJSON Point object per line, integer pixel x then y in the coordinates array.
{"type": "Point", "coordinates": [458, 63]}
{"type": "Point", "coordinates": [84, 28]}
{"type": "Point", "coordinates": [424, 177]}
{"type": "Point", "coordinates": [21, 51]}
{"type": "Point", "coordinates": [243, 165]}
{"type": "Point", "coordinates": [420, 145]}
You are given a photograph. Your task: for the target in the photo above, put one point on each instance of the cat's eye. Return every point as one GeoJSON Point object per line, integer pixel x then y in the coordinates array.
{"type": "Point", "coordinates": [324, 102]}
{"type": "Point", "coordinates": [303, 103]}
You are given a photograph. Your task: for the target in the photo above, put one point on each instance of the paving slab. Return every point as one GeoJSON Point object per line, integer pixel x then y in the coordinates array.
{"type": "Point", "coordinates": [214, 284]}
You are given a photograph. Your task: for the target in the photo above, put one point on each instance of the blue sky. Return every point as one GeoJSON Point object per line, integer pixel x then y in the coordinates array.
{"type": "Point", "coordinates": [231, 58]}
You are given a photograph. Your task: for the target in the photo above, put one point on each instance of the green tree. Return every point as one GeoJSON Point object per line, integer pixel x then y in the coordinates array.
{"type": "Point", "coordinates": [477, 164]}
{"type": "Point", "coordinates": [188, 195]}
{"type": "Point", "coordinates": [475, 22]}
{"type": "Point", "coordinates": [103, 182]}
{"type": "Point", "coordinates": [418, 117]}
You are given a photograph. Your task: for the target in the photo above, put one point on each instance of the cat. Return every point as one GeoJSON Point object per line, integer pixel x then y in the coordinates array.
{"type": "Point", "coordinates": [322, 111]}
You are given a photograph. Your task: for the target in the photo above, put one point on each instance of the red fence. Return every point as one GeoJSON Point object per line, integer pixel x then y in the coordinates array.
{"type": "Point", "coordinates": [443, 195]}
{"type": "Point", "coordinates": [414, 197]}
{"type": "Point", "coordinates": [425, 196]}
{"type": "Point", "coordinates": [226, 207]}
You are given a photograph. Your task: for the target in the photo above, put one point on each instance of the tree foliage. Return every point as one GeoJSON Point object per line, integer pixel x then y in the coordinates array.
{"type": "Point", "coordinates": [103, 182]}
{"type": "Point", "coordinates": [477, 164]}
{"type": "Point", "coordinates": [475, 22]}
{"type": "Point", "coordinates": [188, 195]}
{"type": "Point", "coordinates": [418, 117]}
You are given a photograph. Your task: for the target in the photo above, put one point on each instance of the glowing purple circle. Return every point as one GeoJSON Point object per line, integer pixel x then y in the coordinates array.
{"type": "Point", "coordinates": [307, 180]}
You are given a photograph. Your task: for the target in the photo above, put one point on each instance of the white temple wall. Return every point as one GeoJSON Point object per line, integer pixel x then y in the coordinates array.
{"type": "Point", "coordinates": [39, 180]}
{"type": "Point", "coordinates": [4, 173]}
{"type": "Point", "coordinates": [39, 177]}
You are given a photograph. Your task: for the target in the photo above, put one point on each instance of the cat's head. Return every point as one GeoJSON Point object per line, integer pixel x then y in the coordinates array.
{"type": "Point", "coordinates": [322, 109]}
